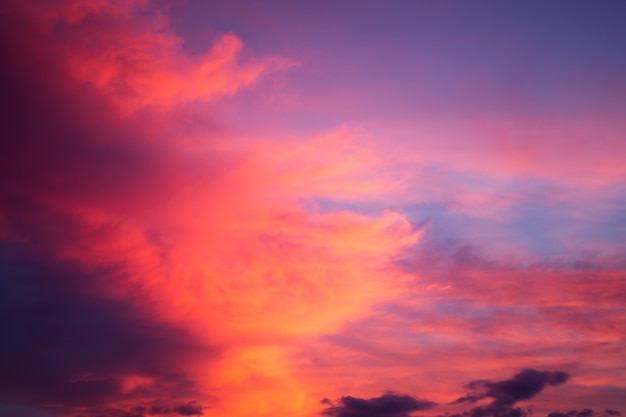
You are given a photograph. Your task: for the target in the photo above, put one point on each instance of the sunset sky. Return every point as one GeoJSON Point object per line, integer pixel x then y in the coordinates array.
{"type": "Point", "coordinates": [313, 208]}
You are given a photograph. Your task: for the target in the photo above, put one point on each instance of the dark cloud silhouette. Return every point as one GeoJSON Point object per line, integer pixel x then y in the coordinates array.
{"type": "Point", "coordinates": [504, 395]}
{"type": "Point", "coordinates": [159, 409]}
{"type": "Point", "coordinates": [387, 405]}
{"type": "Point", "coordinates": [61, 344]}
{"type": "Point", "coordinates": [493, 410]}
{"type": "Point", "coordinates": [566, 414]}
{"type": "Point", "coordinates": [523, 386]}
{"type": "Point", "coordinates": [190, 409]}
{"type": "Point", "coordinates": [585, 413]}
{"type": "Point", "coordinates": [526, 384]}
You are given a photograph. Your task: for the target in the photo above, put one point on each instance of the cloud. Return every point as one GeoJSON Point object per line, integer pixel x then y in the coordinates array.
{"type": "Point", "coordinates": [62, 344]}
{"type": "Point", "coordinates": [526, 384]}
{"type": "Point", "coordinates": [387, 405]}
{"type": "Point", "coordinates": [584, 413]}
{"type": "Point", "coordinates": [506, 393]}
{"type": "Point", "coordinates": [129, 53]}
{"type": "Point", "coordinates": [190, 409]}
{"type": "Point", "coordinates": [140, 247]}
{"type": "Point", "coordinates": [75, 169]}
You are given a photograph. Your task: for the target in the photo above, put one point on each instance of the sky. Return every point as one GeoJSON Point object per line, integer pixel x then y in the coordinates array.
{"type": "Point", "coordinates": [330, 208]}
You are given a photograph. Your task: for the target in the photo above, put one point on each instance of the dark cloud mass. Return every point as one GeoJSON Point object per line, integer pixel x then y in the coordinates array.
{"type": "Point", "coordinates": [387, 405]}
{"type": "Point", "coordinates": [585, 413]}
{"type": "Point", "coordinates": [64, 345]}
{"type": "Point", "coordinates": [504, 395]}
{"type": "Point", "coordinates": [191, 408]}
{"type": "Point", "coordinates": [523, 386]}
{"type": "Point", "coordinates": [61, 345]}
{"type": "Point", "coordinates": [68, 156]}
{"type": "Point", "coordinates": [526, 384]}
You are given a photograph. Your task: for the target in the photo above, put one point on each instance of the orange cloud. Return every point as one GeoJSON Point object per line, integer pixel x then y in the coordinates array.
{"type": "Point", "coordinates": [223, 241]}
{"type": "Point", "coordinates": [135, 59]}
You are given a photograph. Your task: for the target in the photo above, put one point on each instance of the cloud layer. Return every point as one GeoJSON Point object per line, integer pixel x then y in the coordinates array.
{"type": "Point", "coordinates": [387, 405]}
{"type": "Point", "coordinates": [504, 396]}
{"type": "Point", "coordinates": [239, 209]}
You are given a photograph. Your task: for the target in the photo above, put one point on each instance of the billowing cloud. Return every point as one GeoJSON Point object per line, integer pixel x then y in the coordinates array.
{"type": "Point", "coordinates": [387, 405]}
{"type": "Point", "coordinates": [201, 214]}
{"type": "Point", "coordinates": [124, 227]}
{"type": "Point", "coordinates": [128, 52]}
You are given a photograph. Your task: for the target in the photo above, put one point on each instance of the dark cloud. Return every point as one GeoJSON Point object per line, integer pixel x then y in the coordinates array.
{"type": "Point", "coordinates": [60, 344]}
{"type": "Point", "coordinates": [526, 384]}
{"type": "Point", "coordinates": [387, 405]}
{"type": "Point", "coordinates": [62, 139]}
{"type": "Point", "coordinates": [159, 409]}
{"type": "Point", "coordinates": [559, 414]}
{"type": "Point", "coordinates": [493, 410]}
{"type": "Point", "coordinates": [64, 150]}
{"type": "Point", "coordinates": [584, 413]}
{"type": "Point", "coordinates": [190, 409]}
{"type": "Point", "coordinates": [506, 393]}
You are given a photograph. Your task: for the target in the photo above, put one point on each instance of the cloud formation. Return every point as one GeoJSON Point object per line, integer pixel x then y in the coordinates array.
{"type": "Point", "coordinates": [526, 384]}
{"type": "Point", "coordinates": [125, 217]}
{"type": "Point", "coordinates": [506, 393]}
{"type": "Point", "coordinates": [387, 405]}
{"type": "Point", "coordinates": [64, 345]}
{"type": "Point", "coordinates": [186, 227]}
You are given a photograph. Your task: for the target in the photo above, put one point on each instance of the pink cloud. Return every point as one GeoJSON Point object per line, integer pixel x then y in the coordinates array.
{"type": "Point", "coordinates": [200, 237]}
{"type": "Point", "coordinates": [255, 275]}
